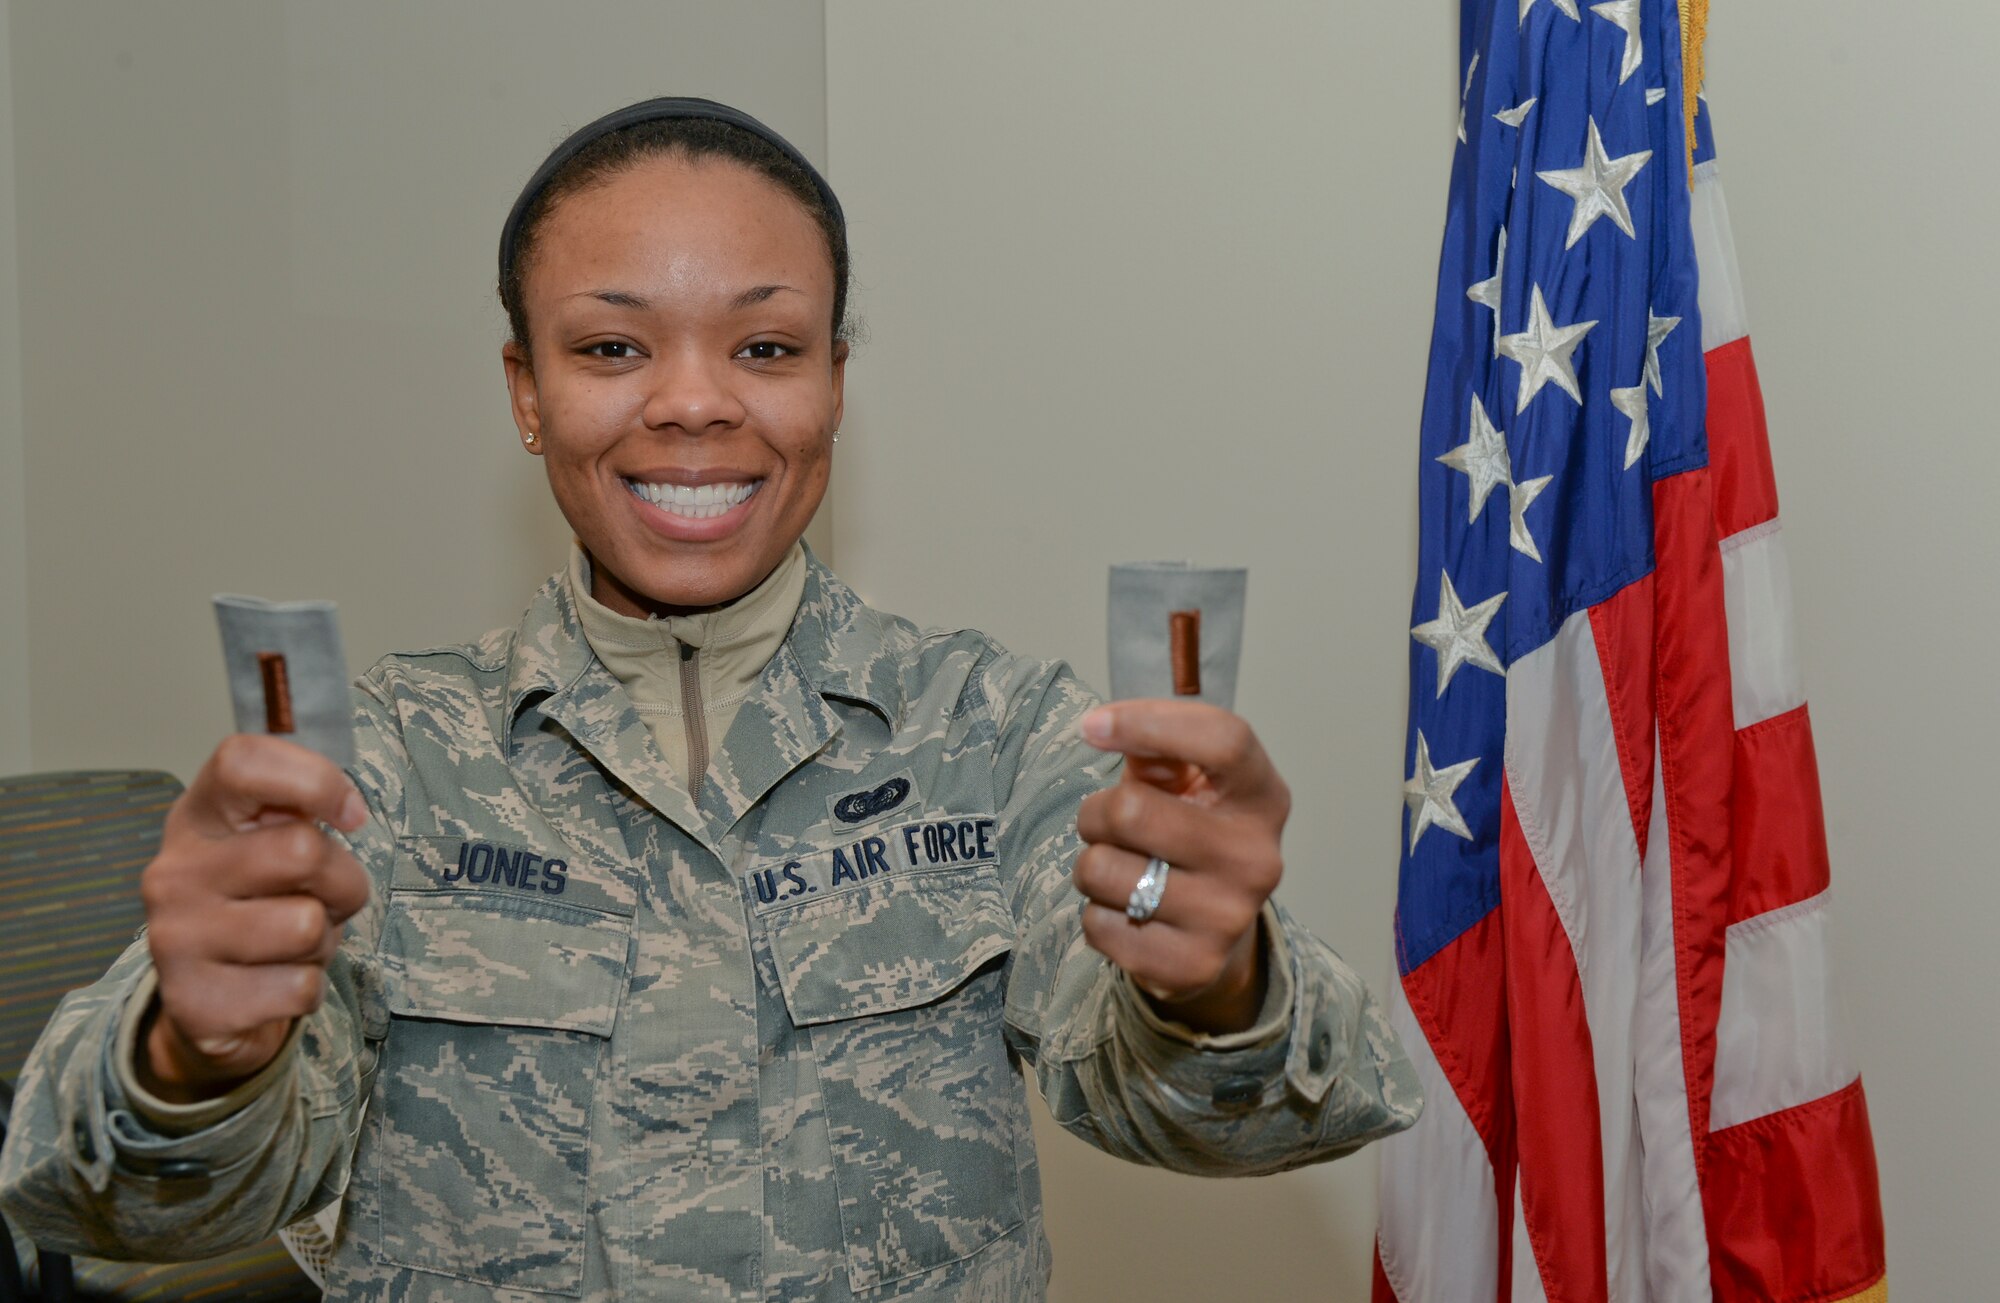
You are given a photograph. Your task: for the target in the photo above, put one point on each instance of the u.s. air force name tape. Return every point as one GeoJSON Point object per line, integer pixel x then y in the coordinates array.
{"type": "Point", "coordinates": [951, 841]}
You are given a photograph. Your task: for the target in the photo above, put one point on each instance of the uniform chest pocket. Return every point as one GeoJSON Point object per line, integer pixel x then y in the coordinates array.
{"type": "Point", "coordinates": [899, 986]}
{"type": "Point", "coordinates": [500, 1010]}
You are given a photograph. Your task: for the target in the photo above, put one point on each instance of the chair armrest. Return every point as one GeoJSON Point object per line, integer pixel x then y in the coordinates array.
{"type": "Point", "coordinates": [57, 1272]}
{"type": "Point", "coordinates": [12, 1288]}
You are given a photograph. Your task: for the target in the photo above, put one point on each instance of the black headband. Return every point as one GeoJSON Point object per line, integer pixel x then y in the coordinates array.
{"type": "Point", "coordinates": [658, 110]}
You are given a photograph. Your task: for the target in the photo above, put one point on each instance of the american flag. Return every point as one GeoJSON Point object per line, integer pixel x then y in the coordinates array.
{"type": "Point", "coordinates": [1612, 929]}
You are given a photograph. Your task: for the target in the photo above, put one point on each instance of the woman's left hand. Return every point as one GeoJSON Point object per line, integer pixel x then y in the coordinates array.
{"type": "Point", "coordinates": [1200, 793]}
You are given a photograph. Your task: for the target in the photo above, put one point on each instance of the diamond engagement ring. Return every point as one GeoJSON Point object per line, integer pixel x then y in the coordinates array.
{"type": "Point", "coordinates": [1146, 893]}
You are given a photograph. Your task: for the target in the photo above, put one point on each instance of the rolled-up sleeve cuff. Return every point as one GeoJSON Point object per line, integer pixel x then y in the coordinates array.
{"type": "Point", "coordinates": [186, 1139]}
{"type": "Point", "coordinates": [1231, 1069]}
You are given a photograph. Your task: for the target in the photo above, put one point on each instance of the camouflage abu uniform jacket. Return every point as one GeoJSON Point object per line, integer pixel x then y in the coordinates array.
{"type": "Point", "coordinates": [617, 1046]}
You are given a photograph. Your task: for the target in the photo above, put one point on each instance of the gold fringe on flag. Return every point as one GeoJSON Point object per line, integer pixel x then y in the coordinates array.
{"type": "Point", "coordinates": [1876, 1293]}
{"type": "Point", "coordinates": [1694, 31]}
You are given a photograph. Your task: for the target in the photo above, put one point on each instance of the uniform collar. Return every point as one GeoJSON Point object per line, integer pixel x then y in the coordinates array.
{"type": "Point", "coordinates": [550, 653]}
{"type": "Point", "coordinates": [846, 648]}
{"type": "Point", "coordinates": [843, 647]}
{"type": "Point", "coordinates": [838, 647]}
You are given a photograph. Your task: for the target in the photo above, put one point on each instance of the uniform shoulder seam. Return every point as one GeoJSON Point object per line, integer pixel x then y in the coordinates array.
{"type": "Point", "coordinates": [936, 634]}
{"type": "Point", "coordinates": [487, 655]}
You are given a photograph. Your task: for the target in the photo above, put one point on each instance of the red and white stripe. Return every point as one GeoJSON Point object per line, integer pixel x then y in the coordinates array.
{"type": "Point", "coordinates": [1636, 1088]}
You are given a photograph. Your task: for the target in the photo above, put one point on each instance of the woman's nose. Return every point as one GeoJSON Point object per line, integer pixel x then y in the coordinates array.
{"type": "Point", "coordinates": [694, 393]}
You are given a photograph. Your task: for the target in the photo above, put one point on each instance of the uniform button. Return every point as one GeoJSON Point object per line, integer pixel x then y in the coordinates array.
{"type": "Point", "coordinates": [182, 1168]}
{"type": "Point", "coordinates": [1322, 1051]}
{"type": "Point", "coordinates": [1237, 1090]}
{"type": "Point", "coordinates": [86, 1149]}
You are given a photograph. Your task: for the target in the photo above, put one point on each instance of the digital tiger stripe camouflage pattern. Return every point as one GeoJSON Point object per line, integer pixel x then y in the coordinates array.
{"type": "Point", "coordinates": [774, 1046]}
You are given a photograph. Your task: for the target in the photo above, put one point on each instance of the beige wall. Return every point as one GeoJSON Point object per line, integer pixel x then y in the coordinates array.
{"type": "Point", "coordinates": [14, 735]}
{"type": "Point", "coordinates": [261, 350]}
{"type": "Point", "coordinates": [1142, 280]}
{"type": "Point", "coordinates": [1162, 288]}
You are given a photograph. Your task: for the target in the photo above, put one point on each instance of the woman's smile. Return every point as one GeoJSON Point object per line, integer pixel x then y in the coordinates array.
{"type": "Point", "coordinates": [694, 503]}
{"type": "Point", "coordinates": [694, 512]}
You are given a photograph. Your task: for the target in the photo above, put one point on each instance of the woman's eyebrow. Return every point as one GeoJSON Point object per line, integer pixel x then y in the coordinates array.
{"type": "Point", "coordinates": [638, 302]}
{"type": "Point", "coordinates": [616, 298]}
{"type": "Point", "coordinates": [759, 293]}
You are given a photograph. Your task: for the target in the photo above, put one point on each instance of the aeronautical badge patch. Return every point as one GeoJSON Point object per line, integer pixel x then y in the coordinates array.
{"type": "Point", "coordinates": [857, 808]}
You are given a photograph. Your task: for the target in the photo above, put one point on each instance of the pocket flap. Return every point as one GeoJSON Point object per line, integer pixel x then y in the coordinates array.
{"type": "Point", "coordinates": [481, 958]}
{"type": "Point", "coordinates": [895, 943]}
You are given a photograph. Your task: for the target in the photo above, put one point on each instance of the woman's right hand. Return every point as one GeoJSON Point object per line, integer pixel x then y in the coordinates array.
{"type": "Point", "coordinates": [244, 907]}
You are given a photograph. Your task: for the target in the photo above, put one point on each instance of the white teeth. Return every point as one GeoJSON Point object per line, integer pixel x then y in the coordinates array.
{"type": "Point", "coordinates": [695, 503]}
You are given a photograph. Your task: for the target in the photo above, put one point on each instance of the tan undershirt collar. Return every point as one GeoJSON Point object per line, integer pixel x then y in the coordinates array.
{"type": "Point", "coordinates": [734, 643]}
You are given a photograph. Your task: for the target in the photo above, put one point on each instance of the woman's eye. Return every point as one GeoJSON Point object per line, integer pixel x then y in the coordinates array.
{"type": "Point", "coordinates": [613, 349]}
{"type": "Point", "coordinates": [765, 350]}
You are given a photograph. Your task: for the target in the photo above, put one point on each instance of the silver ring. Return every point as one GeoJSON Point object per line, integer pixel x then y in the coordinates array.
{"type": "Point", "coordinates": [1148, 891]}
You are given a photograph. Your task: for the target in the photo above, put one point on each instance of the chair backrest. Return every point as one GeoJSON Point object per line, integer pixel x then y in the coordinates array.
{"type": "Point", "coordinates": [71, 849]}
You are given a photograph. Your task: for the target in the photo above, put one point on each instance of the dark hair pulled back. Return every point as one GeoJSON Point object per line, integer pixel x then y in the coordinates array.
{"type": "Point", "coordinates": [692, 138]}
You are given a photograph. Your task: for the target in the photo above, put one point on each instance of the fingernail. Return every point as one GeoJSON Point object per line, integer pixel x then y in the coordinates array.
{"type": "Point", "coordinates": [1096, 726]}
{"type": "Point", "coordinates": [353, 812]}
{"type": "Point", "coordinates": [220, 1046]}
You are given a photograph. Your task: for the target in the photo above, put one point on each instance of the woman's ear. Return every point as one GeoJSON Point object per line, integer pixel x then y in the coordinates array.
{"type": "Point", "coordinates": [521, 394]}
{"type": "Point", "coordinates": [840, 351]}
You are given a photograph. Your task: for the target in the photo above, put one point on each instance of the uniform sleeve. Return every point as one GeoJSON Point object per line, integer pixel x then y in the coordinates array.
{"type": "Point", "coordinates": [87, 1168]}
{"type": "Point", "coordinates": [1320, 1073]}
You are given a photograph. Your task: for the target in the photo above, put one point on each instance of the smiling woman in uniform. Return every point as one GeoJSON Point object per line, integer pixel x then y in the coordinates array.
{"type": "Point", "coordinates": [694, 939]}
